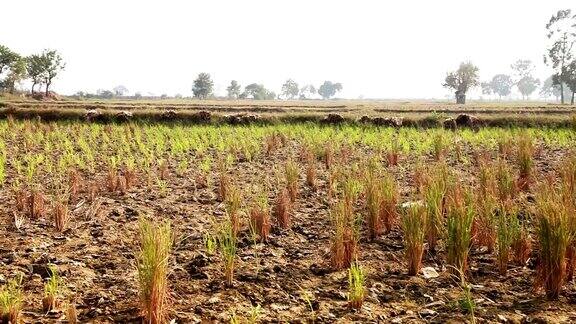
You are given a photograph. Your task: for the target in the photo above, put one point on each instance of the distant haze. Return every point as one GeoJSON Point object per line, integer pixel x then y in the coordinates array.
{"type": "Point", "coordinates": [376, 49]}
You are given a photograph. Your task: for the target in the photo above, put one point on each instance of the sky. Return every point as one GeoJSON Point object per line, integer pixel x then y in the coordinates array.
{"type": "Point", "coordinates": [376, 49]}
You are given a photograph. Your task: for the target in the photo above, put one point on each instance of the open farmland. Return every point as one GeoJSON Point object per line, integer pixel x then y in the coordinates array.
{"type": "Point", "coordinates": [413, 113]}
{"type": "Point", "coordinates": [299, 222]}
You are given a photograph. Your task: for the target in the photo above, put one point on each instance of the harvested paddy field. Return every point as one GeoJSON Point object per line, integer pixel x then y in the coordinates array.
{"type": "Point", "coordinates": [297, 223]}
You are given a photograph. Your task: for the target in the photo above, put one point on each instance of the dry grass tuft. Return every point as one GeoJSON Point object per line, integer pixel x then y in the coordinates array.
{"type": "Point", "coordinates": [414, 227]}
{"type": "Point", "coordinates": [152, 259]}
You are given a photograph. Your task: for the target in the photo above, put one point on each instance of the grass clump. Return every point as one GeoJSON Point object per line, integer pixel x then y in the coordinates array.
{"type": "Point", "coordinates": [356, 289]}
{"type": "Point", "coordinates": [260, 216]}
{"type": "Point", "coordinates": [554, 236]}
{"type": "Point", "coordinates": [11, 298]}
{"type": "Point", "coordinates": [52, 290]}
{"type": "Point", "coordinates": [152, 262]}
{"type": "Point", "coordinates": [460, 216]}
{"type": "Point", "coordinates": [435, 190]}
{"type": "Point", "coordinates": [228, 246]}
{"type": "Point", "coordinates": [344, 241]}
{"type": "Point", "coordinates": [508, 230]}
{"type": "Point", "coordinates": [525, 160]}
{"type": "Point", "coordinates": [233, 202]}
{"type": "Point", "coordinates": [414, 226]}
{"type": "Point", "coordinates": [292, 174]}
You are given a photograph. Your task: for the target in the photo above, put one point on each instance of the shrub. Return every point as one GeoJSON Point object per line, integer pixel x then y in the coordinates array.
{"type": "Point", "coordinates": [356, 290]}
{"type": "Point", "coordinates": [152, 264]}
{"type": "Point", "coordinates": [414, 227]}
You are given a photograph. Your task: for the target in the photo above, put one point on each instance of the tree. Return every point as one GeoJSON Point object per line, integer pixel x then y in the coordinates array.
{"type": "Point", "coordinates": [35, 68]}
{"type": "Point", "coordinates": [522, 68]}
{"type": "Point", "coordinates": [562, 34]}
{"type": "Point", "coordinates": [328, 89]}
{"type": "Point", "coordinates": [233, 90]}
{"type": "Point", "coordinates": [290, 89]}
{"type": "Point", "coordinates": [307, 91]}
{"type": "Point", "coordinates": [7, 58]}
{"type": "Point", "coordinates": [501, 85]}
{"type": "Point", "coordinates": [258, 92]}
{"type": "Point", "coordinates": [570, 79]}
{"type": "Point", "coordinates": [461, 80]}
{"type": "Point", "coordinates": [120, 90]}
{"type": "Point", "coordinates": [527, 85]}
{"type": "Point", "coordinates": [52, 64]}
{"type": "Point", "coordinates": [486, 88]}
{"type": "Point", "coordinates": [105, 94]}
{"type": "Point", "coordinates": [203, 86]}
{"type": "Point", "coordinates": [525, 82]}
{"type": "Point", "coordinates": [16, 73]}
{"type": "Point", "coordinates": [549, 88]}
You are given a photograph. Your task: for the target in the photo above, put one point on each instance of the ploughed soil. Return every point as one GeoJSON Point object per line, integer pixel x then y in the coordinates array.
{"type": "Point", "coordinates": [95, 257]}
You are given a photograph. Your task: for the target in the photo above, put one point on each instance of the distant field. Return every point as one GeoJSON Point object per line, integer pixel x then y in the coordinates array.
{"type": "Point", "coordinates": [494, 113]}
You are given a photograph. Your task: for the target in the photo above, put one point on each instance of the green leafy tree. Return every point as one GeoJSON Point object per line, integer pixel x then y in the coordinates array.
{"type": "Point", "coordinates": [7, 58]}
{"type": "Point", "coordinates": [328, 89]}
{"type": "Point", "coordinates": [16, 73]}
{"type": "Point", "coordinates": [35, 68]}
{"type": "Point", "coordinates": [549, 88]}
{"type": "Point", "coordinates": [290, 89]}
{"type": "Point", "coordinates": [562, 34]}
{"type": "Point", "coordinates": [570, 79]}
{"type": "Point", "coordinates": [233, 90]}
{"type": "Point", "coordinates": [525, 82]}
{"type": "Point", "coordinates": [527, 85]}
{"type": "Point", "coordinates": [52, 65]}
{"type": "Point", "coordinates": [461, 80]}
{"type": "Point", "coordinates": [203, 86]}
{"type": "Point", "coordinates": [258, 92]}
{"type": "Point", "coordinates": [486, 88]}
{"type": "Point", "coordinates": [307, 91]}
{"type": "Point", "coordinates": [501, 85]}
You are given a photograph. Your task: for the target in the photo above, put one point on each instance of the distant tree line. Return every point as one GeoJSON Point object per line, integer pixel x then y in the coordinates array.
{"type": "Point", "coordinates": [203, 87]}
{"type": "Point", "coordinates": [560, 56]}
{"type": "Point", "coordinates": [40, 69]}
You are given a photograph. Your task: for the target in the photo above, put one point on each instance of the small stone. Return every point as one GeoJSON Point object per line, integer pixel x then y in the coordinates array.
{"type": "Point", "coordinates": [502, 318]}
{"type": "Point", "coordinates": [214, 300]}
{"type": "Point", "coordinates": [430, 272]}
{"type": "Point", "coordinates": [427, 312]}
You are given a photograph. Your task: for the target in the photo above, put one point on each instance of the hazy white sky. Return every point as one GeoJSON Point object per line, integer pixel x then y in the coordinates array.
{"type": "Point", "coordinates": [378, 49]}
